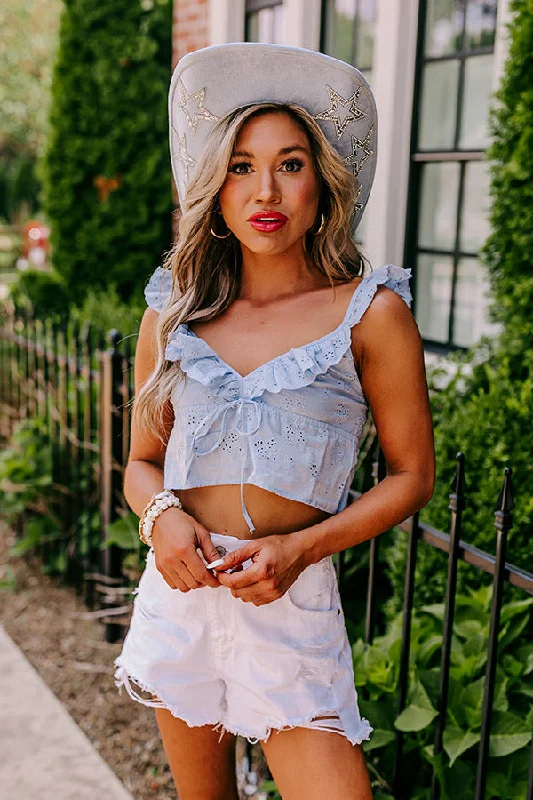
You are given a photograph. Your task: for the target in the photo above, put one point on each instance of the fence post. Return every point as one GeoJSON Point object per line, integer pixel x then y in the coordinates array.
{"type": "Point", "coordinates": [403, 680]}
{"type": "Point", "coordinates": [111, 432]}
{"type": "Point", "coordinates": [457, 505]}
{"type": "Point", "coordinates": [503, 522]}
{"type": "Point", "coordinates": [379, 472]}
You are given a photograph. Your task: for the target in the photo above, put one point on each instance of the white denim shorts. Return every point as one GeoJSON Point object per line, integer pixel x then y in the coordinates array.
{"type": "Point", "coordinates": [212, 659]}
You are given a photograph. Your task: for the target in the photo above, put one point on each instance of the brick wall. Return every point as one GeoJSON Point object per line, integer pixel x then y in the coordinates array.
{"type": "Point", "coordinates": [190, 27]}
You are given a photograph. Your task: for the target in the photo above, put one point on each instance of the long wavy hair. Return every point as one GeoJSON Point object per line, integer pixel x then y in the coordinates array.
{"type": "Point", "coordinates": [206, 272]}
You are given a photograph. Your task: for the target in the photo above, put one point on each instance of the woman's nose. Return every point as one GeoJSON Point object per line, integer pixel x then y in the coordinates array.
{"type": "Point", "coordinates": [267, 190]}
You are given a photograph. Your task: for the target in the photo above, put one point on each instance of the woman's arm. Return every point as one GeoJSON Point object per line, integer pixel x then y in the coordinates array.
{"type": "Point", "coordinates": [176, 535]}
{"type": "Point", "coordinates": [389, 353]}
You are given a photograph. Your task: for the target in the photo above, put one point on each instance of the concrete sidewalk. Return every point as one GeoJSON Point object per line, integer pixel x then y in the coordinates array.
{"type": "Point", "coordinates": [45, 755]}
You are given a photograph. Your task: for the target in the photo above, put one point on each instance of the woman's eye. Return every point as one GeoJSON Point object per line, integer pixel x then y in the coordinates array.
{"type": "Point", "coordinates": [237, 167]}
{"type": "Point", "coordinates": [294, 163]}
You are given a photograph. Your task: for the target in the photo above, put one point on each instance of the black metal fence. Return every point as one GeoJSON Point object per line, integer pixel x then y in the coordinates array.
{"type": "Point", "coordinates": [78, 383]}
{"type": "Point", "coordinates": [81, 384]}
{"type": "Point", "coordinates": [457, 550]}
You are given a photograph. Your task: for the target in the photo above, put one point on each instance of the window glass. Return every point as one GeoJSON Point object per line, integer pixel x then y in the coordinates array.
{"type": "Point", "coordinates": [364, 43]}
{"type": "Point", "coordinates": [438, 206]}
{"type": "Point", "coordinates": [452, 131]}
{"type": "Point", "coordinates": [474, 133]}
{"type": "Point", "coordinates": [476, 207]}
{"type": "Point", "coordinates": [265, 25]}
{"type": "Point", "coordinates": [471, 303]}
{"type": "Point", "coordinates": [439, 105]}
{"type": "Point", "coordinates": [340, 29]}
{"type": "Point", "coordinates": [433, 295]}
{"type": "Point", "coordinates": [349, 31]}
{"type": "Point", "coordinates": [480, 23]}
{"type": "Point", "coordinates": [444, 27]}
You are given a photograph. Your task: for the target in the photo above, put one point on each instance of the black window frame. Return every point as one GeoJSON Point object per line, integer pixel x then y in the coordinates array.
{"type": "Point", "coordinates": [420, 157]}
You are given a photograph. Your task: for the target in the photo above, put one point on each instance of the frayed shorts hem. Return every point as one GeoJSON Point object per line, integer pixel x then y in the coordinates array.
{"type": "Point", "coordinates": [124, 679]}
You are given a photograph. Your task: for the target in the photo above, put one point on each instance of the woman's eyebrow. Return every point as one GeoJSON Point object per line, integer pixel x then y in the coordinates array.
{"type": "Point", "coordinates": [282, 152]}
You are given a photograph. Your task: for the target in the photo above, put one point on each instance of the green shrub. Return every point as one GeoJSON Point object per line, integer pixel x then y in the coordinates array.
{"type": "Point", "coordinates": [28, 491]}
{"type": "Point", "coordinates": [377, 669]}
{"type": "Point", "coordinates": [26, 469]}
{"type": "Point", "coordinates": [104, 310]}
{"type": "Point", "coordinates": [106, 170]}
{"type": "Point", "coordinates": [44, 292]}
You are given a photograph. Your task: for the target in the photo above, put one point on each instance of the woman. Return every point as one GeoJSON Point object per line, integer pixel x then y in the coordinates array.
{"type": "Point", "coordinates": [260, 355]}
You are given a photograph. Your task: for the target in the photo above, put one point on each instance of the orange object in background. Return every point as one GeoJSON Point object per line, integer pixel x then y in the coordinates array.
{"type": "Point", "coordinates": [35, 243]}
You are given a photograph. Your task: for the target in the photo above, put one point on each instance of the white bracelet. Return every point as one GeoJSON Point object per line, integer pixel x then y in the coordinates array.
{"type": "Point", "coordinates": [156, 505]}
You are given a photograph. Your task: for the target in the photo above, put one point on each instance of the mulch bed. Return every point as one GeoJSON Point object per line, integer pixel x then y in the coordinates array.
{"type": "Point", "coordinates": [46, 620]}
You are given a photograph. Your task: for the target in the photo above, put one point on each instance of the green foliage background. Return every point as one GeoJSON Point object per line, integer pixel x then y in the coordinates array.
{"type": "Point", "coordinates": [109, 120]}
{"type": "Point", "coordinates": [28, 43]}
{"type": "Point", "coordinates": [486, 410]}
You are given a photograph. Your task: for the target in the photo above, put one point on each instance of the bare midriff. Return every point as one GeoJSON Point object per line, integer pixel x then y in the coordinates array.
{"type": "Point", "coordinates": [218, 508]}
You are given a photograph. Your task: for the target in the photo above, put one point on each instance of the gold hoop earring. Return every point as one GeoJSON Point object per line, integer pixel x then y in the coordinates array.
{"type": "Point", "coordinates": [219, 236]}
{"type": "Point", "coordinates": [322, 225]}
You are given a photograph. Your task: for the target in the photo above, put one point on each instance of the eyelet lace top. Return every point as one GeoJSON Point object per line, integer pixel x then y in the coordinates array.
{"type": "Point", "coordinates": [291, 426]}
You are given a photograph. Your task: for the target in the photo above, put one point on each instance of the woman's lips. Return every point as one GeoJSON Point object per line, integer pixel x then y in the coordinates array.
{"type": "Point", "coordinates": [267, 222]}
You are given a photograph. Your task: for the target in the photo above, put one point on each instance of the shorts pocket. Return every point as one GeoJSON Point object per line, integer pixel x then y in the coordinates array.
{"type": "Point", "coordinates": [315, 613]}
{"type": "Point", "coordinates": [315, 590]}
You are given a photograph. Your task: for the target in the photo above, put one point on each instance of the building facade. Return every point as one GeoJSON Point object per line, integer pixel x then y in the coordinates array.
{"type": "Point", "coordinates": [433, 66]}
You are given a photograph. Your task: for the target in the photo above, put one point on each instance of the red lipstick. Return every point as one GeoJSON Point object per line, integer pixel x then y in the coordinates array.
{"type": "Point", "coordinates": [267, 221]}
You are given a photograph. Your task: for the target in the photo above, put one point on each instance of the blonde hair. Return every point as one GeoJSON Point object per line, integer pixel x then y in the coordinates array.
{"type": "Point", "coordinates": [206, 272]}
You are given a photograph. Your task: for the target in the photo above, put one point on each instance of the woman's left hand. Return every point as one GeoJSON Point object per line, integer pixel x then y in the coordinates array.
{"type": "Point", "coordinates": [277, 562]}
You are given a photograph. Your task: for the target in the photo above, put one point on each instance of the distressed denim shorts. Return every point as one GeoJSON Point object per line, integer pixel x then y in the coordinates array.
{"type": "Point", "coordinates": [212, 659]}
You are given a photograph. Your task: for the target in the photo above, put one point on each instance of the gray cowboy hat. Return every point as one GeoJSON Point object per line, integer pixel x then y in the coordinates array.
{"type": "Point", "coordinates": [209, 83]}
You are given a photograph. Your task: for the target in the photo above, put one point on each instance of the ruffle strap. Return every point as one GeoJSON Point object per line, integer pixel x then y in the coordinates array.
{"type": "Point", "coordinates": [158, 289]}
{"type": "Point", "coordinates": [396, 278]}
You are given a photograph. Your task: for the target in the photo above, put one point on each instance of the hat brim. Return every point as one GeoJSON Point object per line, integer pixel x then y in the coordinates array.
{"type": "Point", "coordinates": [208, 84]}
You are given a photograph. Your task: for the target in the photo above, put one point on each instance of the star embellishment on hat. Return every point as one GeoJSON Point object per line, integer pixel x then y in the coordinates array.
{"type": "Point", "coordinates": [348, 111]}
{"type": "Point", "coordinates": [193, 107]}
{"type": "Point", "coordinates": [357, 145]}
{"type": "Point", "coordinates": [186, 160]}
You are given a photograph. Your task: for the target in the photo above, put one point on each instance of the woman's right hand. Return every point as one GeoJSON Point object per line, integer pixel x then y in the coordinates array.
{"type": "Point", "coordinates": [175, 537]}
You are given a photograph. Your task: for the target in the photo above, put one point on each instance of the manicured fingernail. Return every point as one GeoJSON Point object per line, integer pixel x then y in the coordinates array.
{"type": "Point", "coordinates": [216, 563]}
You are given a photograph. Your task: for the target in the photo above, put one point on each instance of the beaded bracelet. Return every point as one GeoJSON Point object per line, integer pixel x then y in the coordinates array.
{"type": "Point", "coordinates": [155, 506]}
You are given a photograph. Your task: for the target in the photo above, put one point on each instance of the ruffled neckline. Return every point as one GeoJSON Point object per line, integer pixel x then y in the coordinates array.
{"type": "Point", "coordinates": [294, 369]}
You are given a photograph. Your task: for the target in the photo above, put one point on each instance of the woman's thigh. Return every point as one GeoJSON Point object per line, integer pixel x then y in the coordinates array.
{"type": "Point", "coordinates": [203, 767]}
{"type": "Point", "coordinates": [316, 764]}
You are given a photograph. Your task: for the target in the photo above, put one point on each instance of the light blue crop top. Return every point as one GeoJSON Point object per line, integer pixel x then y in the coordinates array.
{"type": "Point", "coordinates": [291, 426]}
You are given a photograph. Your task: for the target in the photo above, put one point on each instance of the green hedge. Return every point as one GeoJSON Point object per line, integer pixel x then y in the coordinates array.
{"type": "Point", "coordinates": [109, 128]}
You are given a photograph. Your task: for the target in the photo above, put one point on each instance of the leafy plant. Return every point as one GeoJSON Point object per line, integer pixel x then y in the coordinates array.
{"type": "Point", "coordinates": [104, 310]}
{"type": "Point", "coordinates": [106, 170]}
{"type": "Point", "coordinates": [271, 789]}
{"type": "Point", "coordinates": [124, 533]}
{"type": "Point", "coordinates": [27, 27]}
{"type": "Point", "coordinates": [26, 469]}
{"type": "Point", "coordinates": [377, 673]}
{"type": "Point", "coordinates": [44, 293]}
